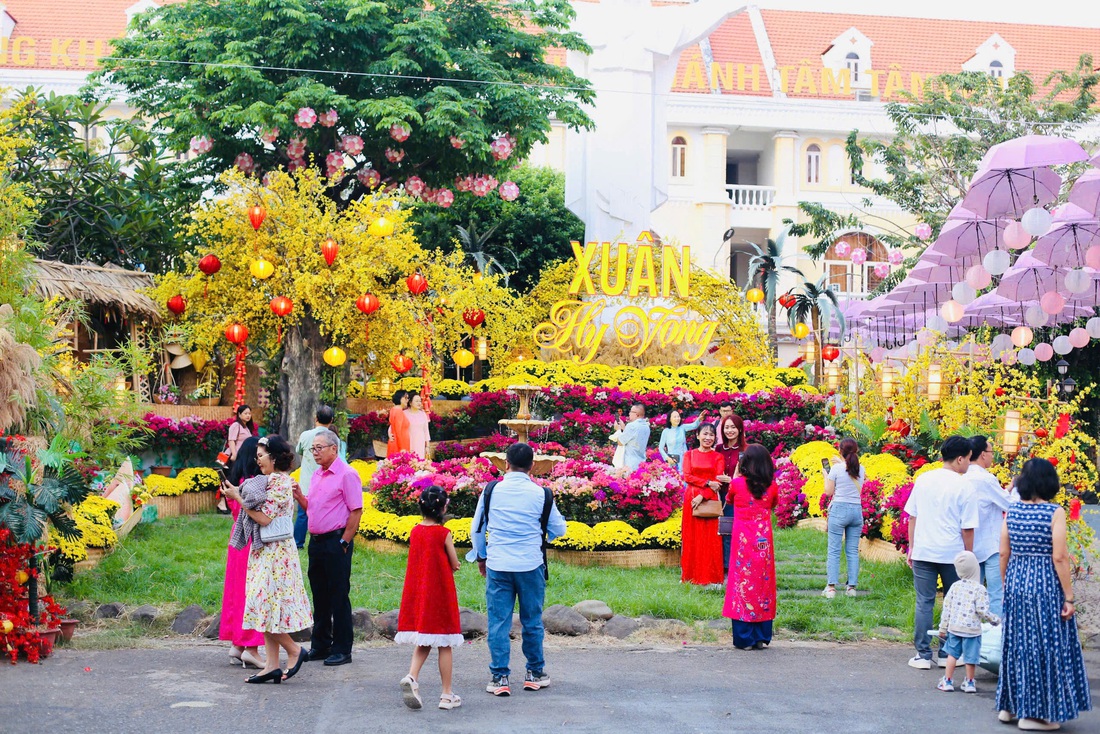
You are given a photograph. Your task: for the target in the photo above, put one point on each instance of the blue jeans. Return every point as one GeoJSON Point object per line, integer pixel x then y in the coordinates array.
{"type": "Point", "coordinates": [501, 591]}
{"type": "Point", "coordinates": [994, 584]}
{"type": "Point", "coordinates": [301, 526]}
{"type": "Point", "coordinates": [845, 525]}
{"type": "Point", "coordinates": [925, 574]}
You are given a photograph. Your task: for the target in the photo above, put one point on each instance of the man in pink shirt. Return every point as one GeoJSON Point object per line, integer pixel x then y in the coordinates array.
{"type": "Point", "coordinates": [335, 504]}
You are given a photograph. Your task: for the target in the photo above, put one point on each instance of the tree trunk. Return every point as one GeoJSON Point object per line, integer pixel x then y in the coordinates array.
{"type": "Point", "coordinates": [300, 384]}
{"type": "Point", "coordinates": [773, 338]}
{"type": "Point", "coordinates": [819, 361]}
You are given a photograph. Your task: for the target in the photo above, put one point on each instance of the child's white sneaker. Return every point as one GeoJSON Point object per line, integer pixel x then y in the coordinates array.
{"type": "Point", "coordinates": [410, 692]}
{"type": "Point", "coordinates": [920, 663]}
{"type": "Point", "coordinates": [968, 686]}
{"type": "Point", "coordinates": [945, 685]}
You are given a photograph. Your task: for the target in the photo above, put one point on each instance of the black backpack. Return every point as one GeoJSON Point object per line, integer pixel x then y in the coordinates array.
{"type": "Point", "coordinates": [547, 505]}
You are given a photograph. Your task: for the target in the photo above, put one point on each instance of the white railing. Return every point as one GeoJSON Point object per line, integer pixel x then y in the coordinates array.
{"type": "Point", "coordinates": [751, 197]}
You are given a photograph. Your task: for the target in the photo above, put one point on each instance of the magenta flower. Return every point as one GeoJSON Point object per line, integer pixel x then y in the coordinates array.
{"type": "Point", "coordinates": [352, 144]}
{"type": "Point", "coordinates": [399, 132]}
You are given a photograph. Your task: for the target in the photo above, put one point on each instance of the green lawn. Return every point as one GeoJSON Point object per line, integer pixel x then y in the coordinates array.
{"type": "Point", "coordinates": [180, 561]}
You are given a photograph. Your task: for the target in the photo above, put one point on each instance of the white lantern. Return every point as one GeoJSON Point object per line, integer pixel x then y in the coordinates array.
{"type": "Point", "coordinates": [936, 323]}
{"type": "Point", "coordinates": [1062, 345]}
{"type": "Point", "coordinates": [1009, 358]}
{"type": "Point", "coordinates": [978, 277]}
{"type": "Point", "coordinates": [1036, 221]}
{"type": "Point", "coordinates": [926, 337]}
{"type": "Point", "coordinates": [1044, 352]}
{"type": "Point", "coordinates": [952, 311]}
{"type": "Point", "coordinates": [1000, 343]}
{"type": "Point", "coordinates": [1078, 281]}
{"type": "Point", "coordinates": [1035, 316]}
{"type": "Point", "coordinates": [996, 262]}
{"type": "Point", "coordinates": [1079, 338]}
{"type": "Point", "coordinates": [1015, 236]}
{"type": "Point", "coordinates": [1026, 356]}
{"type": "Point", "coordinates": [877, 354]}
{"type": "Point", "coordinates": [1052, 302]}
{"type": "Point", "coordinates": [1092, 326]}
{"type": "Point", "coordinates": [1021, 337]}
{"type": "Point", "coordinates": [963, 293]}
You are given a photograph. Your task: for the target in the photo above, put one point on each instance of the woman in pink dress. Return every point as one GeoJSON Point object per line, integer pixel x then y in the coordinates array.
{"type": "Point", "coordinates": [419, 436]}
{"type": "Point", "coordinates": [750, 589]}
{"type": "Point", "coordinates": [246, 643]}
{"type": "Point", "coordinates": [399, 424]}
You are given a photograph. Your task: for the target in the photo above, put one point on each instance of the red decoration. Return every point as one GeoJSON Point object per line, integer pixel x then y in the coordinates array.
{"type": "Point", "coordinates": [900, 427]}
{"type": "Point", "coordinates": [329, 248]}
{"type": "Point", "coordinates": [177, 304]}
{"type": "Point", "coordinates": [474, 317]}
{"type": "Point", "coordinates": [1041, 433]}
{"type": "Point", "coordinates": [787, 300]}
{"type": "Point", "coordinates": [1061, 428]}
{"type": "Point", "coordinates": [1053, 460]}
{"type": "Point", "coordinates": [281, 305]}
{"type": "Point", "coordinates": [256, 215]}
{"type": "Point", "coordinates": [240, 371]}
{"type": "Point", "coordinates": [237, 333]}
{"type": "Point", "coordinates": [829, 352]}
{"type": "Point", "coordinates": [999, 392]}
{"type": "Point", "coordinates": [401, 363]}
{"type": "Point", "coordinates": [367, 303]}
{"type": "Point", "coordinates": [210, 264]}
{"type": "Point", "coordinates": [1075, 509]}
{"type": "Point", "coordinates": [417, 283]}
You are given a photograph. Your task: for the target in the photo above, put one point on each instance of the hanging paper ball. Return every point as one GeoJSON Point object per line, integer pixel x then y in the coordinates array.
{"type": "Point", "coordinates": [859, 256]}
{"type": "Point", "coordinates": [296, 148]}
{"type": "Point", "coordinates": [334, 164]}
{"type": "Point", "coordinates": [295, 164]}
{"type": "Point", "coordinates": [977, 277]}
{"type": "Point", "coordinates": [1026, 356]}
{"type": "Point", "coordinates": [270, 136]}
{"type": "Point", "coordinates": [1000, 343]}
{"type": "Point", "coordinates": [177, 305]}
{"type": "Point", "coordinates": [483, 185]}
{"type": "Point", "coordinates": [457, 143]}
{"type": "Point", "coordinates": [754, 295]}
{"type": "Point", "coordinates": [1062, 345]}
{"type": "Point", "coordinates": [963, 293]}
{"type": "Point", "coordinates": [394, 156]}
{"type": "Point", "coordinates": [305, 117]}
{"type": "Point", "coordinates": [445, 198]}
{"type": "Point", "coordinates": [926, 337]}
{"type": "Point", "coordinates": [1044, 352]}
{"type": "Point", "coordinates": [1021, 336]}
{"type": "Point", "coordinates": [1036, 221]}
{"type": "Point", "coordinates": [236, 333]}
{"type": "Point", "coordinates": [1015, 236]}
{"type": "Point", "coordinates": [415, 186]}
{"type": "Point", "coordinates": [952, 311]}
{"type": "Point", "coordinates": [201, 144]}
{"type": "Point", "coordinates": [210, 264]}
{"type": "Point", "coordinates": [801, 330]}
{"type": "Point", "coordinates": [1009, 358]}
{"type": "Point", "coordinates": [1078, 281]}
{"type": "Point", "coordinates": [1052, 302]}
{"type": "Point", "coordinates": [335, 356]}
{"type": "Point", "coordinates": [261, 269]}
{"type": "Point", "coordinates": [256, 215]}
{"type": "Point", "coordinates": [380, 227]}
{"type": "Point", "coordinates": [328, 119]}
{"type": "Point", "coordinates": [877, 354]}
{"type": "Point", "coordinates": [882, 270]}
{"type": "Point", "coordinates": [1035, 316]}
{"type": "Point", "coordinates": [244, 163]}
{"type": "Point", "coordinates": [369, 178]}
{"type": "Point", "coordinates": [329, 250]}
{"type": "Point", "coordinates": [463, 358]}
{"type": "Point", "coordinates": [896, 257]}
{"type": "Point", "coordinates": [399, 132]}
{"type": "Point", "coordinates": [1092, 257]}
{"type": "Point", "coordinates": [501, 148]}
{"type": "Point", "coordinates": [787, 300]}
{"type": "Point", "coordinates": [996, 262]}
{"type": "Point", "coordinates": [416, 283]}
{"type": "Point", "coordinates": [1079, 338]}
{"type": "Point", "coordinates": [509, 191]}
{"type": "Point", "coordinates": [401, 363]}
{"type": "Point", "coordinates": [474, 317]}
{"type": "Point", "coordinates": [923, 231]}
{"type": "Point", "coordinates": [367, 303]}
{"type": "Point", "coordinates": [281, 305]}
{"type": "Point", "coordinates": [842, 248]}
{"type": "Point", "coordinates": [1092, 326]}
{"type": "Point", "coordinates": [352, 144]}
{"type": "Point", "coordinates": [937, 323]}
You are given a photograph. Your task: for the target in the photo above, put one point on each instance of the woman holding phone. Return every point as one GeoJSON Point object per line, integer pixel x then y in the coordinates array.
{"type": "Point", "coordinates": [843, 482]}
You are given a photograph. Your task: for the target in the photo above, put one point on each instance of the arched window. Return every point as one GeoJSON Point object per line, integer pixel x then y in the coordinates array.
{"type": "Point", "coordinates": [679, 157]}
{"type": "Point", "coordinates": [813, 164]}
{"type": "Point", "coordinates": [996, 69]}
{"type": "Point", "coordinates": [852, 62]}
{"type": "Point", "coordinates": [847, 277]}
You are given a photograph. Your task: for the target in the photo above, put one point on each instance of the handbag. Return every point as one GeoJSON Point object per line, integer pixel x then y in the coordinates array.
{"type": "Point", "coordinates": [725, 525]}
{"type": "Point", "coordinates": [280, 528]}
{"type": "Point", "coordinates": [707, 510]}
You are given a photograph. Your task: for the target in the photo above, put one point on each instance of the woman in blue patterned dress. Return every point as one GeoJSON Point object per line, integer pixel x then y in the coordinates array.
{"type": "Point", "coordinates": [1043, 677]}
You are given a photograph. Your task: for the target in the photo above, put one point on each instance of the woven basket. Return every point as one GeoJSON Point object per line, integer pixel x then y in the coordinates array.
{"type": "Point", "coordinates": [382, 545]}
{"type": "Point", "coordinates": [648, 558]}
{"type": "Point", "coordinates": [166, 506]}
{"type": "Point", "coordinates": [879, 550]}
{"type": "Point", "coordinates": [192, 503]}
{"type": "Point", "coordinates": [125, 528]}
{"type": "Point", "coordinates": [817, 523]}
{"type": "Point", "coordinates": [381, 449]}
{"type": "Point", "coordinates": [95, 555]}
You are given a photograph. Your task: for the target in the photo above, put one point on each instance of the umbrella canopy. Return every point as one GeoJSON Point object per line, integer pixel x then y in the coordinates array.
{"type": "Point", "coordinates": [961, 238]}
{"type": "Point", "coordinates": [1086, 191]}
{"type": "Point", "coordinates": [914, 291]}
{"type": "Point", "coordinates": [1029, 279]}
{"type": "Point", "coordinates": [997, 193]}
{"type": "Point", "coordinates": [1030, 151]}
{"type": "Point", "coordinates": [933, 270]}
{"type": "Point", "coordinates": [1073, 232]}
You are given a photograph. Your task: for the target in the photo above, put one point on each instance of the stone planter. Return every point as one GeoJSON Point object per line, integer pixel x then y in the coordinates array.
{"type": "Point", "coordinates": [882, 551]}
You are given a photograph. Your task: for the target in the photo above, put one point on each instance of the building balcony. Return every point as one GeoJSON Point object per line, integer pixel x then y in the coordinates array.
{"type": "Point", "coordinates": [750, 205]}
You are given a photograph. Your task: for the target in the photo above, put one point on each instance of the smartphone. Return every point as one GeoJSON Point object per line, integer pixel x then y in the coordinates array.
{"type": "Point", "coordinates": [221, 473]}
{"type": "Point", "coordinates": [826, 465]}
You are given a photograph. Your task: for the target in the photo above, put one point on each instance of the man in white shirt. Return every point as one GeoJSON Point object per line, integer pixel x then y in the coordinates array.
{"type": "Point", "coordinates": [634, 436]}
{"type": "Point", "coordinates": [943, 513]}
{"type": "Point", "coordinates": [993, 503]}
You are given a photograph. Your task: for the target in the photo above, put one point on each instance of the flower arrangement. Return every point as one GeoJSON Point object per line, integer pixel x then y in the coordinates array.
{"type": "Point", "coordinates": [167, 394]}
{"type": "Point", "coordinates": [793, 504]}
{"type": "Point", "coordinates": [188, 480]}
{"type": "Point", "coordinates": [193, 440]}
{"type": "Point", "coordinates": [207, 388]}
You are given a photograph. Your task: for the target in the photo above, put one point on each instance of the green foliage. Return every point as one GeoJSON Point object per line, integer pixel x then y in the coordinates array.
{"type": "Point", "coordinates": [536, 228]}
{"type": "Point", "coordinates": [33, 499]}
{"type": "Point", "coordinates": [871, 434]}
{"type": "Point", "coordinates": [469, 69]}
{"type": "Point", "coordinates": [107, 196]}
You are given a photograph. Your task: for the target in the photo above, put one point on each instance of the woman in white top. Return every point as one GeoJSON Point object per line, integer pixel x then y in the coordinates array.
{"type": "Point", "coordinates": [843, 483]}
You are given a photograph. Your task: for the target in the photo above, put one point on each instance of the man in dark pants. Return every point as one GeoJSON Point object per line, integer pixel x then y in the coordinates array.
{"type": "Point", "coordinates": [334, 505]}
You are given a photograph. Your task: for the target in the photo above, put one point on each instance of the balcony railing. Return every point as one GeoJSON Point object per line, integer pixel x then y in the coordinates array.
{"type": "Point", "coordinates": [758, 198]}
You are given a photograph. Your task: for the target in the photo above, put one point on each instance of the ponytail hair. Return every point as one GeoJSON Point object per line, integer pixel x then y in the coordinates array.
{"type": "Point", "coordinates": [433, 503]}
{"type": "Point", "coordinates": [849, 451]}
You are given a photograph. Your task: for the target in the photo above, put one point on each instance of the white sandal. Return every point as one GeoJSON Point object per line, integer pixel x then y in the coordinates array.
{"type": "Point", "coordinates": [410, 692]}
{"type": "Point", "coordinates": [450, 701]}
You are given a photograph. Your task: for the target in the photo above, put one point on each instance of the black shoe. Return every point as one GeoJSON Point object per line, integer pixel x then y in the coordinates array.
{"type": "Point", "coordinates": [759, 645]}
{"type": "Point", "coordinates": [275, 676]}
{"type": "Point", "coordinates": [338, 658]}
{"type": "Point", "coordinates": [291, 672]}
{"type": "Point", "coordinates": [314, 655]}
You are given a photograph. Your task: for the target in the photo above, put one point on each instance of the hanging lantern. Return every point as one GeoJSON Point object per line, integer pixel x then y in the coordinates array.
{"type": "Point", "coordinates": [1026, 356]}
{"type": "Point", "coordinates": [832, 375]}
{"type": "Point", "coordinates": [1013, 429]}
{"type": "Point", "coordinates": [1035, 316]}
{"type": "Point", "coordinates": [236, 333]}
{"type": "Point", "coordinates": [1078, 281]}
{"type": "Point", "coordinates": [787, 300]}
{"type": "Point", "coordinates": [281, 305]}
{"type": "Point", "coordinates": [335, 356]}
{"type": "Point", "coordinates": [367, 303]}
{"type": "Point", "coordinates": [380, 227]}
{"type": "Point", "coordinates": [482, 348]}
{"type": "Point", "coordinates": [888, 381]}
{"type": "Point", "coordinates": [977, 277]}
{"type": "Point", "coordinates": [177, 305]}
{"type": "Point", "coordinates": [261, 269]}
{"type": "Point", "coordinates": [952, 311]}
{"type": "Point", "coordinates": [463, 358]}
{"type": "Point", "coordinates": [417, 283]}
{"type": "Point", "coordinates": [801, 330]}
{"type": "Point", "coordinates": [384, 385]}
{"type": "Point", "coordinates": [401, 363]}
{"type": "Point", "coordinates": [1092, 326]}
{"type": "Point", "coordinates": [963, 293]}
{"type": "Point", "coordinates": [754, 295]}
{"type": "Point", "coordinates": [474, 317]}
{"type": "Point", "coordinates": [521, 354]}
{"type": "Point", "coordinates": [210, 264]}
{"type": "Point", "coordinates": [1015, 236]}
{"type": "Point", "coordinates": [256, 216]}
{"type": "Point", "coordinates": [996, 262]}
{"type": "Point", "coordinates": [1062, 345]}
{"type": "Point", "coordinates": [829, 352]}
{"type": "Point", "coordinates": [808, 351]}
{"type": "Point", "coordinates": [1021, 337]}
{"type": "Point", "coordinates": [933, 382]}
{"type": "Point", "coordinates": [1036, 221]}
{"type": "Point", "coordinates": [1052, 302]}
{"type": "Point", "coordinates": [1044, 352]}
{"type": "Point", "coordinates": [1092, 257]}
{"type": "Point", "coordinates": [329, 249]}
{"type": "Point", "coordinates": [1079, 338]}
{"type": "Point", "coordinates": [199, 359]}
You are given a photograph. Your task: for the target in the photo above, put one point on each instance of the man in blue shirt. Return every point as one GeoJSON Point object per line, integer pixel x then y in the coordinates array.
{"type": "Point", "coordinates": [635, 436]}
{"type": "Point", "coordinates": [512, 565]}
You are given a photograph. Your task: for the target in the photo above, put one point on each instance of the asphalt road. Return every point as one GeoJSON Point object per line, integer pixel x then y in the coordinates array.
{"type": "Point", "coordinates": [793, 687]}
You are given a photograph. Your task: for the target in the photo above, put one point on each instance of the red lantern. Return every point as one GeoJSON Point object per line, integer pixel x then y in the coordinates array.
{"type": "Point", "coordinates": [829, 352]}
{"type": "Point", "coordinates": [329, 248]}
{"type": "Point", "coordinates": [474, 317]}
{"type": "Point", "coordinates": [256, 215]}
{"type": "Point", "coordinates": [210, 264]}
{"type": "Point", "coordinates": [367, 303]}
{"type": "Point", "coordinates": [787, 300]}
{"type": "Point", "coordinates": [417, 283]}
{"type": "Point", "coordinates": [177, 304]}
{"type": "Point", "coordinates": [236, 333]}
{"type": "Point", "coordinates": [1041, 433]}
{"type": "Point", "coordinates": [401, 363]}
{"type": "Point", "coordinates": [281, 305]}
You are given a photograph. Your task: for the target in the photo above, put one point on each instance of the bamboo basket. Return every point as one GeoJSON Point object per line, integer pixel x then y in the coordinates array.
{"type": "Point", "coordinates": [647, 558]}
{"type": "Point", "coordinates": [95, 555]}
{"type": "Point", "coordinates": [192, 503]}
{"type": "Point", "coordinates": [166, 506]}
{"type": "Point", "coordinates": [381, 545]}
{"type": "Point", "coordinates": [380, 449]}
{"type": "Point", "coordinates": [879, 550]}
{"type": "Point", "coordinates": [817, 523]}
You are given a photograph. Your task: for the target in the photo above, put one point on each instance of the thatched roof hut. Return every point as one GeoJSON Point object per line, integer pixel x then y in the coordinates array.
{"type": "Point", "coordinates": [112, 289]}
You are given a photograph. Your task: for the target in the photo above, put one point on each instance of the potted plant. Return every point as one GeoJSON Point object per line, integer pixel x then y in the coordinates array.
{"type": "Point", "coordinates": [209, 390]}
{"type": "Point", "coordinates": [167, 395]}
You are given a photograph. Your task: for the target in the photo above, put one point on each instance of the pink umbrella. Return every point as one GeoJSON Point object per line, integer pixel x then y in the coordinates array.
{"type": "Point", "coordinates": [999, 192]}
{"type": "Point", "coordinates": [1030, 151]}
{"type": "Point", "coordinates": [912, 291]}
{"type": "Point", "coordinates": [1086, 191]}
{"type": "Point", "coordinates": [961, 212]}
{"type": "Point", "coordinates": [960, 238]}
{"type": "Point", "coordinates": [1073, 232]}
{"type": "Point", "coordinates": [1029, 279]}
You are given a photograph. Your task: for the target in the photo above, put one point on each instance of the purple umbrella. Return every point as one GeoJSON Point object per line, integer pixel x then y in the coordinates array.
{"type": "Point", "coordinates": [914, 291]}
{"type": "Point", "coordinates": [1073, 232]}
{"type": "Point", "coordinates": [1000, 192]}
{"type": "Point", "coordinates": [1030, 151]}
{"type": "Point", "coordinates": [962, 238]}
{"type": "Point", "coordinates": [931, 270]}
{"type": "Point", "coordinates": [1086, 191]}
{"type": "Point", "coordinates": [1029, 279]}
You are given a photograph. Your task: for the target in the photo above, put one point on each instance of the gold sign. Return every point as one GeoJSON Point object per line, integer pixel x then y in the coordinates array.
{"type": "Point", "coordinates": [61, 52]}
{"type": "Point", "coordinates": [577, 325]}
{"type": "Point", "coordinates": [803, 79]}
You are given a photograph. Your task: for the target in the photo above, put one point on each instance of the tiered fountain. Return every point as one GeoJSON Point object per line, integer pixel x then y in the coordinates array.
{"type": "Point", "coordinates": [523, 424]}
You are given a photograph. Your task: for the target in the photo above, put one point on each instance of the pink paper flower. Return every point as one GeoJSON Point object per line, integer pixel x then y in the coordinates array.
{"type": "Point", "coordinates": [509, 191]}
{"type": "Point", "coordinates": [923, 231]}
{"type": "Point", "coordinates": [334, 162]}
{"type": "Point", "coordinates": [842, 249]}
{"type": "Point", "coordinates": [414, 185]}
{"type": "Point", "coordinates": [244, 163]}
{"type": "Point", "coordinates": [201, 144]}
{"type": "Point", "coordinates": [445, 198]}
{"type": "Point", "coordinates": [305, 117]}
{"type": "Point", "coordinates": [296, 148]}
{"type": "Point", "coordinates": [882, 270]}
{"type": "Point", "coordinates": [399, 132]}
{"type": "Point", "coordinates": [896, 257]}
{"type": "Point", "coordinates": [352, 144]}
{"type": "Point", "coordinates": [295, 164]}
{"type": "Point", "coordinates": [457, 143]}
{"type": "Point", "coordinates": [464, 183]}
{"type": "Point", "coordinates": [270, 136]}
{"type": "Point", "coordinates": [394, 156]}
{"type": "Point", "coordinates": [267, 179]}
{"type": "Point", "coordinates": [859, 256]}
{"type": "Point", "coordinates": [501, 148]}
{"type": "Point", "coordinates": [369, 178]}
{"type": "Point", "coordinates": [328, 119]}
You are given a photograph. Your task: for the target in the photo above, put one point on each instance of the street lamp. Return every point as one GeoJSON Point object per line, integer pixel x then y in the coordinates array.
{"type": "Point", "coordinates": [1065, 385]}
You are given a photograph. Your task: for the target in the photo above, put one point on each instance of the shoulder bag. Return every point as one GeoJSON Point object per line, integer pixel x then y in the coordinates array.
{"type": "Point", "coordinates": [707, 510]}
{"type": "Point", "coordinates": [280, 528]}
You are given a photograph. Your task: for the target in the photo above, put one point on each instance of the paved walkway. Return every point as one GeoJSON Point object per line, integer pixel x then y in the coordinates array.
{"type": "Point", "coordinates": [793, 687]}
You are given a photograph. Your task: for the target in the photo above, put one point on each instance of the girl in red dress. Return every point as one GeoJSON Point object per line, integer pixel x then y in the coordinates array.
{"type": "Point", "coordinates": [750, 590]}
{"type": "Point", "coordinates": [704, 473]}
{"type": "Point", "coordinates": [429, 601]}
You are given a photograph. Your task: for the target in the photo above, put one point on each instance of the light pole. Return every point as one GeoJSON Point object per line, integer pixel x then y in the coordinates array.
{"type": "Point", "coordinates": [1065, 385]}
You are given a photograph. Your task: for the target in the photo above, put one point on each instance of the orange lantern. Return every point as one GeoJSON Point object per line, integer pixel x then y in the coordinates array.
{"type": "Point", "coordinates": [237, 333]}
{"type": "Point", "coordinates": [401, 363]}
{"type": "Point", "coordinates": [256, 215]}
{"type": "Point", "coordinates": [417, 283]}
{"type": "Point", "coordinates": [367, 303]}
{"type": "Point", "coordinates": [329, 248]}
{"type": "Point", "coordinates": [281, 305]}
